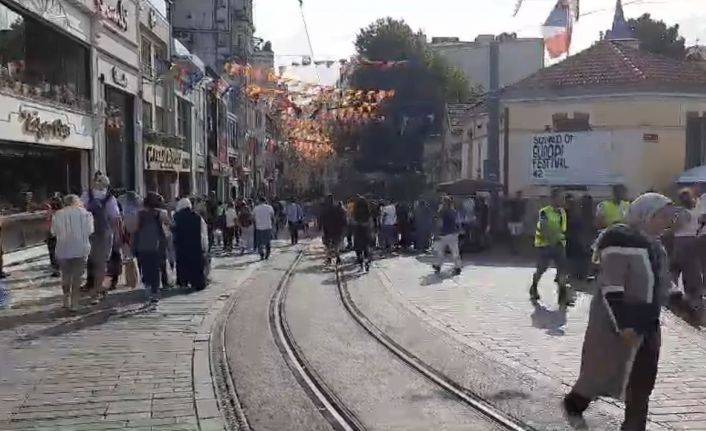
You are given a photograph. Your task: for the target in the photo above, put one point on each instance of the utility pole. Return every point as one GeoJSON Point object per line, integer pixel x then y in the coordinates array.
{"type": "Point", "coordinates": [492, 169]}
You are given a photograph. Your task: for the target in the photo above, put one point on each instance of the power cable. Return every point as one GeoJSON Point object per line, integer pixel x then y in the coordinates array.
{"type": "Point", "coordinates": [308, 39]}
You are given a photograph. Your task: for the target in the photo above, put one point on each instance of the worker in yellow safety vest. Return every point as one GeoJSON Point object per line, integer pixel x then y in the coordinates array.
{"type": "Point", "coordinates": [614, 210]}
{"type": "Point", "coordinates": [550, 241]}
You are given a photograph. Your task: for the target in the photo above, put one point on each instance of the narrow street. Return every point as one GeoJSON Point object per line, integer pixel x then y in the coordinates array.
{"type": "Point", "coordinates": [121, 367]}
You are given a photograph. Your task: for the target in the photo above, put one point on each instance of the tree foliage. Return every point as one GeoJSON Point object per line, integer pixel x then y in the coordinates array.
{"type": "Point", "coordinates": [423, 83]}
{"type": "Point", "coordinates": [656, 37]}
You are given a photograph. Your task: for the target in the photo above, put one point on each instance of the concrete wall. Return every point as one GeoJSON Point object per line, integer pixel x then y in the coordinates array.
{"type": "Point", "coordinates": [518, 59]}
{"type": "Point", "coordinates": [642, 165]}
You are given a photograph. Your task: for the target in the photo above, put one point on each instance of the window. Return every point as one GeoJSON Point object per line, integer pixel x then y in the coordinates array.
{"type": "Point", "coordinates": [160, 123]}
{"type": "Point", "coordinates": [160, 59]}
{"type": "Point", "coordinates": [695, 140]}
{"type": "Point", "coordinates": [579, 123]}
{"type": "Point", "coordinates": [146, 57]}
{"type": "Point", "coordinates": [146, 116]}
{"type": "Point", "coordinates": [184, 120]}
{"type": "Point", "coordinates": [258, 119]}
{"type": "Point", "coordinates": [40, 62]}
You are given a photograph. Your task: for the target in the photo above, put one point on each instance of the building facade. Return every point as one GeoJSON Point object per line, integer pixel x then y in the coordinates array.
{"type": "Point", "coordinates": [639, 125]}
{"type": "Point", "coordinates": [116, 91]}
{"type": "Point", "coordinates": [47, 111]}
{"type": "Point", "coordinates": [518, 58]}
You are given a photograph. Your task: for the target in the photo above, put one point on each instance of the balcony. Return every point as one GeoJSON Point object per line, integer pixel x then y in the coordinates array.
{"type": "Point", "coordinates": [60, 96]}
{"type": "Point", "coordinates": [152, 137]}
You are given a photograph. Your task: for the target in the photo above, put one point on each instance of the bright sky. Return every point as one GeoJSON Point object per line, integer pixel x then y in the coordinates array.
{"type": "Point", "coordinates": [333, 24]}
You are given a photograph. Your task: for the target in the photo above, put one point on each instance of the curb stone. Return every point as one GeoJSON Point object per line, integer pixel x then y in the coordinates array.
{"type": "Point", "coordinates": [206, 401]}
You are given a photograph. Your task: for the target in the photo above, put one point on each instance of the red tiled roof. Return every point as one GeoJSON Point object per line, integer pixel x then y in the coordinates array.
{"type": "Point", "coordinates": [615, 65]}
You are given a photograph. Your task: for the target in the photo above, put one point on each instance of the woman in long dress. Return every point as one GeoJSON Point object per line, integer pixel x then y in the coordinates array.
{"type": "Point", "coordinates": [190, 236]}
{"type": "Point", "coordinates": [622, 342]}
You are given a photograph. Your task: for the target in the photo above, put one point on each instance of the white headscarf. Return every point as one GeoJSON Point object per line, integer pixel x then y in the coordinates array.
{"type": "Point", "coordinates": [645, 207]}
{"type": "Point", "coordinates": [182, 204]}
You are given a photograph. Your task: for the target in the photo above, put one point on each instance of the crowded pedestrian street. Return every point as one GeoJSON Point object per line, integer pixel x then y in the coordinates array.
{"type": "Point", "coordinates": [122, 367]}
{"type": "Point", "coordinates": [316, 215]}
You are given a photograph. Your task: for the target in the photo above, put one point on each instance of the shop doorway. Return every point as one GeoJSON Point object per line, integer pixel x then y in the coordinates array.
{"type": "Point", "coordinates": [119, 139]}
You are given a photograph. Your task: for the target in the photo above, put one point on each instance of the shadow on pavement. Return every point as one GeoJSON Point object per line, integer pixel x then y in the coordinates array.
{"type": "Point", "coordinates": [550, 320]}
{"type": "Point", "coordinates": [115, 300]}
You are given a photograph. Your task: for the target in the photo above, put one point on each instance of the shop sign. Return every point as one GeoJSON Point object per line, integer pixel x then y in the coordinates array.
{"type": "Point", "coordinates": [575, 158]}
{"type": "Point", "coordinates": [119, 77]}
{"type": "Point", "coordinates": [158, 158]}
{"type": "Point", "coordinates": [34, 125]}
{"type": "Point", "coordinates": [116, 14]}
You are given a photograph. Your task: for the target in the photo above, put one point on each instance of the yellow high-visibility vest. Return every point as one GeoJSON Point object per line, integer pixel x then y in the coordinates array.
{"type": "Point", "coordinates": [556, 219]}
{"type": "Point", "coordinates": [614, 213]}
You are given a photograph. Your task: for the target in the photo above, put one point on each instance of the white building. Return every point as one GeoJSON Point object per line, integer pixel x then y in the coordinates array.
{"type": "Point", "coordinates": [518, 58]}
{"type": "Point", "coordinates": [47, 108]}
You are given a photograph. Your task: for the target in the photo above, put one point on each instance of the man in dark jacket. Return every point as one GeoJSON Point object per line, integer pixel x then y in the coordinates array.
{"type": "Point", "coordinates": [333, 224]}
{"type": "Point", "coordinates": [361, 231]}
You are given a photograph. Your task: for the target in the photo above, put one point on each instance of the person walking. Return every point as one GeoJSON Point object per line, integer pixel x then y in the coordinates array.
{"type": "Point", "coordinates": [150, 245]}
{"type": "Point", "coordinates": [388, 223]}
{"type": "Point", "coordinates": [53, 205]}
{"type": "Point", "coordinates": [106, 221]}
{"type": "Point", "coordinates": [246, 227]}
{"type": "Point", "coordinates": [190, 236]}
{"type": "Point", "coordinates": [362, 233]}
{"type": "Point", "coordinates": [613, 211]}
{"type": "Point", "coordinates": [264, 218]}
{"type": "Point", "coordinates": [295, 216]}
{"type": "Point", "coordinates": [231, 224]}
{"type": "Point", "coordinates": [448, 236]}
{"type": "Point", "coordinates": [423, 226]}
{"type": "Point", "coordinates": [574, 231]}
{"type": "Point", "coordinates": [550, 241]}
{"type": "Point", "coordinates": [515, 214]}
{"type": "Point", "coordinates": [166, 222]}
{"type": "Point", "coordinates": [685, 260]}
{"type": "Point", "coordinates": [333, 226]}
{"type": "Point", "coordinates": [72, 227]}
{"type": "Point", "coordinates": [621, 347]}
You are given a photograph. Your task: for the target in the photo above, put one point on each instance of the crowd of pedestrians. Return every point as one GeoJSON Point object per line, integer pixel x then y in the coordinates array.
{"type": "Point", "coordinates": [637, 252]}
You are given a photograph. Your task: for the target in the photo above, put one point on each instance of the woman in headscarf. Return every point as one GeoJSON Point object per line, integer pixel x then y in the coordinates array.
{"type": "Point", "coordinates": [190, 236]}
{"type": "Point", "coordinates": [622, 341]}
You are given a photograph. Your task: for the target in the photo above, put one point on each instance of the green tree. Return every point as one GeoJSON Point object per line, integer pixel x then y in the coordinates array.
{"type": "Point", "coordinates": [423, 83]}
{"type": "Point", "coordinates": [656, 37]}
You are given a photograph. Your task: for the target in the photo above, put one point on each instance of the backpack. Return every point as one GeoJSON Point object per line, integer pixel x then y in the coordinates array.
{"type": "Point", "coordinates": [150, 235]}
{"type": "Point", "coordinates": [97, 207]}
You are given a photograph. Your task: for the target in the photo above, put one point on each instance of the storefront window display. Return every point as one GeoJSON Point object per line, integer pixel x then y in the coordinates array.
{"type": "Point", "coordinates": [29, 174]}
{"type": "Point", "coordinates": [37, 61]}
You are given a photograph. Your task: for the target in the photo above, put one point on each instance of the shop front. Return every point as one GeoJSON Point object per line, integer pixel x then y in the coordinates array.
{"type": "Point", "coordinates": [167, 171]}
{"type": "Point", "coordinates": [117, 85]}
{"type": "Point", "coordinates": [46, 127]}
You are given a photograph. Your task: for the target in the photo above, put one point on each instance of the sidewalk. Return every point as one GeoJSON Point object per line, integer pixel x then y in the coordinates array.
{"type": "Point", "coordinates": [487, 308]}
{"type": "Point", "coordinates": [114, 367]}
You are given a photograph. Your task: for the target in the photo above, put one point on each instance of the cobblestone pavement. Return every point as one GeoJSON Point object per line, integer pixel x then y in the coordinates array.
{"type": "Point", "coordinates": [487, 308]}
{"type": "Point", "coordinates": [118, 366]}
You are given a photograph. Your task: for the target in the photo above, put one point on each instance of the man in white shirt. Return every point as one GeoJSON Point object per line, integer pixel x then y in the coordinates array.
{"type": "Point", "coordinates": [72, 226]}
{"type": "Point", "coordinates": [231, 217]}
{"type": "Point", "coordinates": [264, 218]}
{"type": "Point", "coordinates": [389, 228]}
{"type": "Point", "coordinates": [295, 215]}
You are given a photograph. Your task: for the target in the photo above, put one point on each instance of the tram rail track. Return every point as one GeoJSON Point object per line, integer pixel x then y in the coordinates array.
{"type": "Point", "coordinates": [444, 382]}
{"type": "Point", "coordinates": [325, 399]}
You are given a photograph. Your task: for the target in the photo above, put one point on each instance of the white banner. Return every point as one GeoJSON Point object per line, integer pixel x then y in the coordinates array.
{"type": "Point", "coordinates": [571, 158]}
